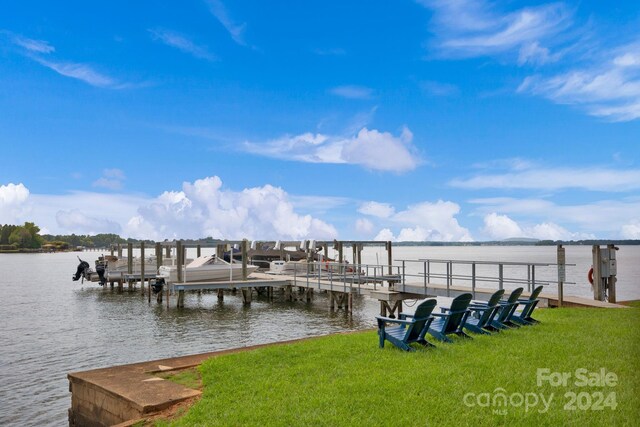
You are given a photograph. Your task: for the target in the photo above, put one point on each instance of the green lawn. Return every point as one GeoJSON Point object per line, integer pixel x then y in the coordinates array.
{"type": "Point", "coordinates": [348, 380]}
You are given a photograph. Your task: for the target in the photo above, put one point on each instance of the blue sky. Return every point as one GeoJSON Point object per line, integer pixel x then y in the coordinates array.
{"type": "Point", "coordinates": [406, 120]}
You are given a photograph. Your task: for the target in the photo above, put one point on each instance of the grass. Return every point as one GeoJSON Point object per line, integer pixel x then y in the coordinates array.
{"type": "Point", "coordinates": [348, 380]}
{"type": "Point", "coordinates": [190, 378]}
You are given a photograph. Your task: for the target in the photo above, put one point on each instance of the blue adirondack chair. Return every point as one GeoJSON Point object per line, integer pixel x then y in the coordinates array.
{"type": "Point", "coordinates": [483, 314]}
{"type": "Point", "coordinates": [528, 304]}
{"type": "Point", "coordinates": [504, 317]}
{"type": "Point", "coordinates": [452, 320]}
{"type": "Point", "coordinates": [410, 327]}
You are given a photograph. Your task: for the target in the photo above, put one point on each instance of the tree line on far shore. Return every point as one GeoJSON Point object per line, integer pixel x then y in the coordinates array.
{"type": "Point", "coordinates": [27, 237]}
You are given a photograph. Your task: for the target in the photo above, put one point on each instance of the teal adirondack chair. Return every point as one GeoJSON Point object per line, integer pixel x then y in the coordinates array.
{"type": "Point", "coordinates": [504, 317]}
{"type": "Point", "coordinates": [528, 304]}
{"type": "Point", "coordinates": [483, 314]}
{"type": "Point", "coordinates": [452, 320]}
{"type": "Point", "coordinates": [410, 327]}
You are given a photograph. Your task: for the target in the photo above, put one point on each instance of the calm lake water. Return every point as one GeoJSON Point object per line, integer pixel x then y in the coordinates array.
{"type": "Point", "coordinates": [53, 326]}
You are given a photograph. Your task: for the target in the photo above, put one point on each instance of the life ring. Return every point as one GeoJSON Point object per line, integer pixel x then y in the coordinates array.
{"type": "Point", "coordinates": [590, 276]}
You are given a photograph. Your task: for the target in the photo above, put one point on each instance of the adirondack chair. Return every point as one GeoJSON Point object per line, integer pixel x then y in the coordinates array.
{"type": "Point", "coordinates": [524, 317]}
{"type": "Point", "coordinates": [483, 314]}
{"type": "Point", "coordinates": [452, 320]}
{"type": "Point", "coordinates": [410, 327]}
{"type": "Point", "coordinates": [504, 317]}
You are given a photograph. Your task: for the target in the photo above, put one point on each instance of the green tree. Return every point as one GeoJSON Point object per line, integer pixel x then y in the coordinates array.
{"type": "Point", "coordinates": [21, 238]}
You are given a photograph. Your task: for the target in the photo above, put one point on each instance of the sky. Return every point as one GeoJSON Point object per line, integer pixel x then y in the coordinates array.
{"type": "Point", "coordinates": [428, 120]}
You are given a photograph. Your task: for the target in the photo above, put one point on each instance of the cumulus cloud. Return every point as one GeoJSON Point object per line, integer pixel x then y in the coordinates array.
{"type": "Point", "coordinates": [500, 227]}
{"type": "Point", "coordinates": [13, 203]}
{"type": "Point", "coordinates": [380, 210]}
{"type": "Point", "coordinates": [631, 230]}
{"type": "Point", "coordinates": [76, 221]}
{"type": "Point", "coordinates": [364, 226]}
{"type": "Point", "coordinates": [203, 208]}
{"type": "Point", "coordinates": [426, 221]}
{"type": "Point", "coordinates": [371, 149]}
{"type": "Point", "coordinates": [385, 234]}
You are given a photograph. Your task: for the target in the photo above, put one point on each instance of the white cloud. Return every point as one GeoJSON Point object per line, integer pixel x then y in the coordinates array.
{"type": "Point", "coordinates": [380, 210]}
{"type": "Point", "coordinates": [183, 43]}
{"type": "Point", "coordinates": [236, 31]}
{"type": "Point", "coordinates": [470, 28]}
{"type": "Point", "coordinates": [111, 179]}
{"type": "Point", "coordinates": [38, 46]}
{"type": "Point", "coordinates": [364, 226]}
{"type": "Point", "coordinates": [535, 54]}
{"type": "Point", "coordinates": [604, 218]}
{"type": "Point", "coordinates": [593, 179]}
{"type": "Point", "coordinates": [386, 235]}
{"type": "Point", "coordinates": [82, 72]}
{"type": "Point", "coordinates": [500, 227]}
{"type": "Point", "coordinates": [631, 230]}
{"type": "Point", "coordinates": [75, 221]}
{"type": "Point", "coordinates": [368, 148]}
{"type": "Point", "coordinates": [609, 89]}
{"type": "Point", "coordinates": [203, 208]}
{"type": "Point", "coordinates": [352, 92]}
{"type": "Point", "coordinates": [13, 203]}
{"type": "Point", "coordinates": [423, 221]}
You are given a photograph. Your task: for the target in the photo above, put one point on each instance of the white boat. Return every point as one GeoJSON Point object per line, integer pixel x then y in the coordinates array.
{"type": "Point", "coordinates": [288, 267]}
{"type": "Point", "coordinates": [206, 268]}
{"type": "Point", "coordinates": [116, 267]}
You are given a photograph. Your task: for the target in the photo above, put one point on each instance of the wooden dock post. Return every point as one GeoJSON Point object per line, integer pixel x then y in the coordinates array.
{"type": "Point", "coordinates": [244, 259]}
{"type": "Point", "coordinates": [119, 251]}
{"type": "Point", "coordinates": [198, 251]}
{"type": "Point", "coordinates": [142, 271]}
{"type": "Point", "coordinates": [158, 256]}
{"type": "Point", "coordinates": [598, 293]}
{"type": "Point", "coordinates": [246, 295]}
{"type": "Point", "coordinates": [167, 251]}
{"type": "Point", "coordinates": [613, 270]}
{"type": "Point", "coordinates": [111, 251]}
{"type": "Point", "coordinates": [180, 261]}
{"type": "Point", "coordinates": [129, 263]}
{"type": "Point", "coordinates": [389, 257]}
{"type": "Point", "coordinates": [561, 274]}
{"type": "Point", "coordinates": [220, 295]}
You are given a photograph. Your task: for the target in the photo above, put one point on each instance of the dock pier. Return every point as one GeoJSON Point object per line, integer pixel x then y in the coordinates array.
{"type": "Point", "coordinates": [391, 284]}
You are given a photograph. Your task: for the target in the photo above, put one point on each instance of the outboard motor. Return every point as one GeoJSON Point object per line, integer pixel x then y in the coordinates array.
{"type": "Point", "coordinates": [157, 286]}
{"type": "Point", "coordinates": [100, 269]}
{"type": "Point", "coordinates": [81, 271]}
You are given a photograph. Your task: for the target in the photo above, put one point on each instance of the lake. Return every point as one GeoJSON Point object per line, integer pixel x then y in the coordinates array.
{"type": "Point", "coordinates": [54, 326]}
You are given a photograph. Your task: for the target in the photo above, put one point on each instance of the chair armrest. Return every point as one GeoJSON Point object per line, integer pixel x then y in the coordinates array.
{"type": "Point", "coordinates": [481, 308]}
{"type": "Point", "coordinates": [398, 321]}
{"type": "Point", "coordinates": [479, 305]}
{"type": "Point", "coordinates": [439, 315]}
